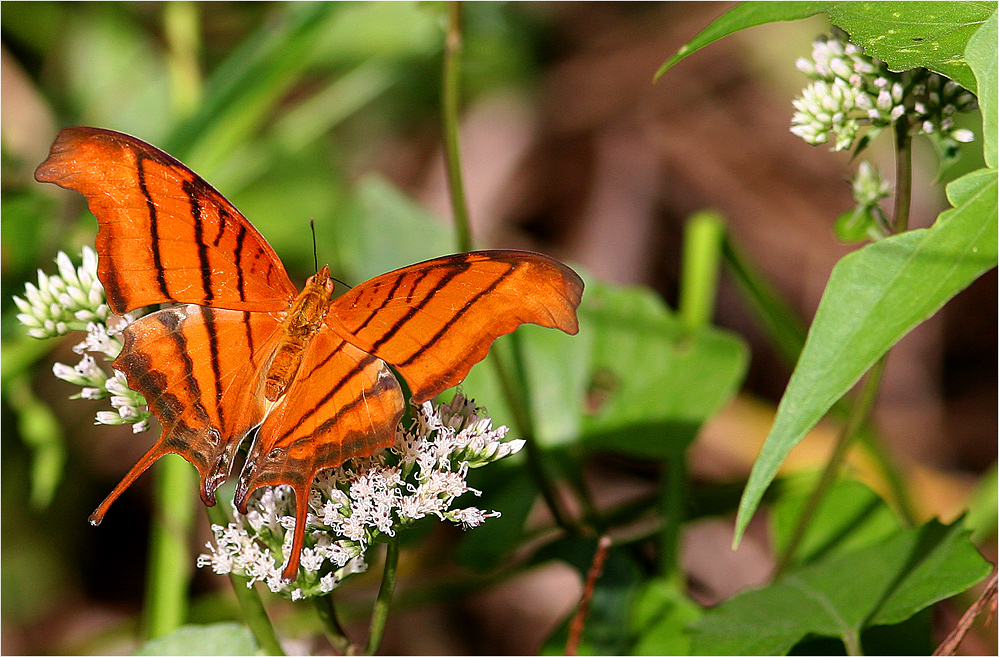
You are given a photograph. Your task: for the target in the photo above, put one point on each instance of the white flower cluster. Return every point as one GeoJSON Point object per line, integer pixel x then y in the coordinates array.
{"type": "Point", "coordinates": [363, 502]}
{"type": "Point", "coordinates": [851, 91]}
{"type": "Point", "coordinates": [64, 302]}
{"type": "Point", "coordinates": [74, 300]}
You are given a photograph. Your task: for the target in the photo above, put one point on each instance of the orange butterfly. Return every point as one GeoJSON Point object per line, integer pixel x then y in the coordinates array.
{"type": "Point", "coordinates": [247, 351]}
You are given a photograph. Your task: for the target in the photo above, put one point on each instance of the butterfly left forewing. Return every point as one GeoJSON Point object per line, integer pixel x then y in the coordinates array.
{"type": "Point", "coordinates": [164, 233]}
{"type": "Point", "coordinates": [432, 321]}
{"type": "Point", "coordinates": [200, 370]}
{"type": "Point", "coordinates": [341, 404]}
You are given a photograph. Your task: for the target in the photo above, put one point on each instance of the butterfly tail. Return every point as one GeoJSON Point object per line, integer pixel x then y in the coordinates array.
{"type": "Point", "coordinates": [158, 450]}
{"type": "Point", "coordinates": [301, 518]}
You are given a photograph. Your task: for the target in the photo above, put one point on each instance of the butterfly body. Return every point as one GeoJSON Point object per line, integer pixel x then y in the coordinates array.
{"type": "Point", "coordinates": [245, 353]}
{"type": "Point", "coordinates": [303, 320]}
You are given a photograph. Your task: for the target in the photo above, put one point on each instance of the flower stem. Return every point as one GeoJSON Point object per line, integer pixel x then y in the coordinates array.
{"type": "Point", "coordinates": [851, 641]}
{"type": "Point", "coordinates": [254, 614]}
{"type": "Point", "coordinates": [169, 572]}
{"type": "Point", "coordinates": [380, 613]}
{"type": "Point", "coordinates": [334, 630]}
{"type": "Point", "coordinates": [452, 151]}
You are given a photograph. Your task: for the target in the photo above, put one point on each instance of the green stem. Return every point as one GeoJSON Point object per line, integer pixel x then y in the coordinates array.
{"type": "Point", "coordinates": [334, 630]}
{"type": "Point", "coordinates": [672, 504]}
{"type": "Point", "coordinates": [858, 417]}
{"type": "Point", "coordinates": [703, 237]}
{"type": "Point", "coordinates": [254, 614]}
{"type": "Point", "coordinates": [452, 151]}
{"type": "Point", "coordinates": [702, 243]}
{"type": "Point", "coordinates": [169, 571]}
{"type": "Point", "coordinates": [183, 37]}
{"type": "Point", "coordinates": [514, 393]}
{"type": "Point", "coordinates": [384, 601]}
{"type": "Point", "coordinates": [851, 641]}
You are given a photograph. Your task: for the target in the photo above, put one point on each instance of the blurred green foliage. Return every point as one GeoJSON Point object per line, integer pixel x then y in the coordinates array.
{"type": "Point", "coordinates": [283, 107]}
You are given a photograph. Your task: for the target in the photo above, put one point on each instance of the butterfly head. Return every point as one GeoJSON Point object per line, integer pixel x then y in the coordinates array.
{"type": "Point", "coordinates": [321, 282]}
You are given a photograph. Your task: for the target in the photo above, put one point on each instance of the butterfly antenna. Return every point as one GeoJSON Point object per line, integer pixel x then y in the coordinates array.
{"type": "Point", "coordinates": [315, 256]}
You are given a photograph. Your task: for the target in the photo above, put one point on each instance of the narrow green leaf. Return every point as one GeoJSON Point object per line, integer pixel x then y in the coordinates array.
{"type": "Point", "coordinates": [874, 297]}
{"type": "Point", "coordinates": [881, 584]}
{"type": "Point", "coordinates": [249, 84]}
{"type": "Point", "coordinates": [981, 56]}
{"type": "Point", "coordinates": [909, 35]}
{"type": "Point", "coordinates": [214, 639]}
{"type": "Point", "coordinates": [41, 432]}
{"type": "Point", "coordinates": [747, 14]}
{"type": "Point", "coordinates": [983, 507]}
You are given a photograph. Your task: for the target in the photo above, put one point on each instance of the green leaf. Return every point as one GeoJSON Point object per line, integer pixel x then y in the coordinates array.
{"type": "Point", "coordinates": [881, 584]}
{"type": "Point", "coordinates": [908, 35]}
{"type": "Point", "coordinates": [981, 56]}
{"type": "Point", "coordinates": [638, 346]}
{"type": "Point", "coordinates": [660, 617]}
{"type": "Point", "coordinates": [849, 517]}
{"type": "Point", "coordinates": [41, 432]}
{"type": "Point", "coordinates": [391, 230]}
{"type": "Point", "coordinates": [747, 14]}
{"type": "Point", "coordinates": [874, 297]}
{"type": "Point", "coordinates": [983, 507]}
{"type": "Point", "coordinates": [214, 639]}
{"type": "Point", "coordinates": [856, 224]}
{"type": "Point", "coordinates": [904, 35]}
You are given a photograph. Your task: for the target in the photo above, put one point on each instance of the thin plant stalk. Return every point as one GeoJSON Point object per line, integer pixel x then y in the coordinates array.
{"type": "Point", "coordinates": [169, 570]}
{"type": "Point", "coordinates": [338, 637]}
{"type": "Point", "coordinates": [859, 414]}
{"type": "Point", "coordinates": [513, 391]}
{"type": "Point", "coordinates": [384, 601]}
{"type": "Point", "coordinates": [452, 152]}
{"type": "Point", "coordinates": [254, 614]}
{"type": "Point", "coordinates": [183, 38]}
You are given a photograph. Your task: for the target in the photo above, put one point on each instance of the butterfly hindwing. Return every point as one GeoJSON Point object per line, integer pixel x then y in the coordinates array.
{"type": "Point", "coordinates": [200, 370]}
{"type": "Point", "coordinates": [342, 403]}
{"type": "Point", "coordinates": [165, 234]}
{"type": "Point", "coordinates": [432, 321]}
